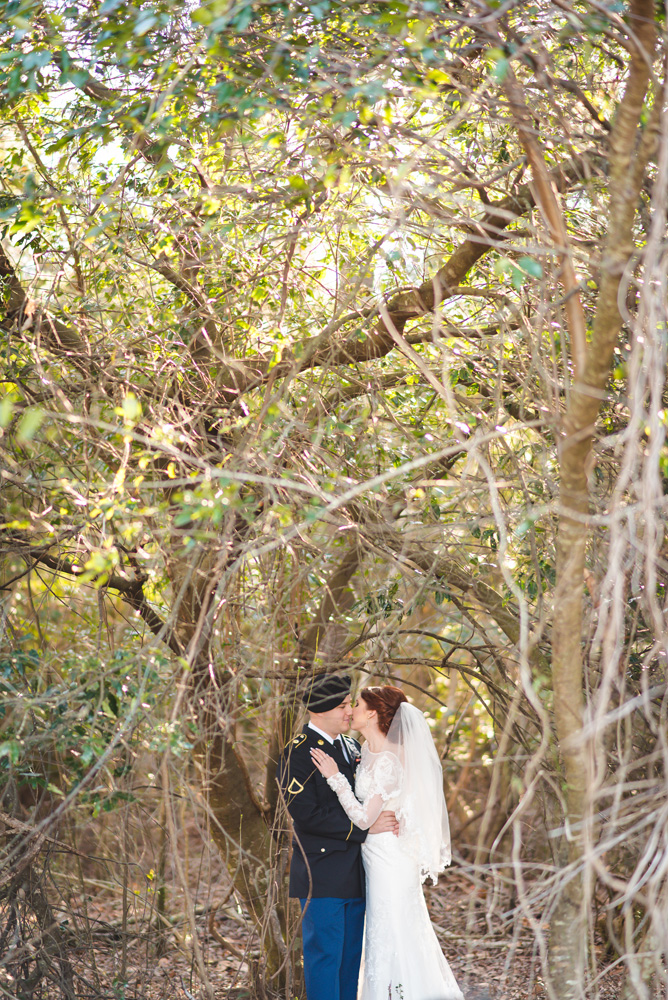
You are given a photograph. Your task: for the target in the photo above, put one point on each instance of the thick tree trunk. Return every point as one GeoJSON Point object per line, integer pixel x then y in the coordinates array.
{"type": "Point", "coordinates": [629, 153]}
{"type": "Point", "coordinates": [568, 924]}
{"type": "Point", "coordinates": [241, 833]}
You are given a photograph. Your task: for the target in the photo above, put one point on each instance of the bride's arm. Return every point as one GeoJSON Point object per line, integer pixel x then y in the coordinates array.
{"type": "Point", "coordinates": [363, 814]}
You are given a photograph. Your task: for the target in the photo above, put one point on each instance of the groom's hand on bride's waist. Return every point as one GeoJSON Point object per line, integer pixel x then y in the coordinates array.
{"type": "Point", "coordinates": [387, 822]}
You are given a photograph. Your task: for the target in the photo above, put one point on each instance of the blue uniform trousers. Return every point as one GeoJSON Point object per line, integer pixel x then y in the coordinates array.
{"type": "Point", "coordinates": [332, 931]}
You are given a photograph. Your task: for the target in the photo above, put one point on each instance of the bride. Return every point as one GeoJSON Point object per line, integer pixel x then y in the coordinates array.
{"type": "Point", "coordinates": [400, 771]}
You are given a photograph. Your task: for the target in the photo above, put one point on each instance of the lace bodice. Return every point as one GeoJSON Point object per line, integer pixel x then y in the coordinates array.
{"type": "Point", "coordinates": [377, 782]}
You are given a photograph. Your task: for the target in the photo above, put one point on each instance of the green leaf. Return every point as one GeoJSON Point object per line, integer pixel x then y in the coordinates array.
{"type": "Point", "coordinates": [517, 277]}
{"type": "Point", "coordinates": [531, 266]}
{"type": "Point", "coordinates": [109, 6]}
{"type": "Point", "coordinates": [131, 408]}
{"type": "Point", "coordinates": [499, 62]}
{"type": "Point", "coordinates": [79, 78]}
{"type": "Point", "coordinates": [6, 410]}
{"type": "Point", "coordinates": [35, 60]}
{"type": "Point", "coordinates": [12, 750]}
{"type": "Point", "coordinates": [202, 16]}
{"type": "Point", "coordinates": [146, 20]}
{"type": "Point", "coordinates": [30, 423]}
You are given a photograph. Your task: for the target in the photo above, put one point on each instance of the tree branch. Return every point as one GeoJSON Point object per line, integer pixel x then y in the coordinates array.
{"type": "Point", "coordinates": [23, 313]}
{"type": "Point", "coordinates": [331, 601]}
{"type": "Point", "coordinates": [484, 234]}
{"type": "Point", "coordinates": [573, 88]}
{"type": "Point", "coordinates": [548, 201]}
{"type": "Point", "coordinates": [447, 571]}
{"type": "Point", "coordinates": [131, 590]}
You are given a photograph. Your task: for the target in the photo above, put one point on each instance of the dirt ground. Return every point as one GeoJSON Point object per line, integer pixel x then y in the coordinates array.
{"type": "Point", "coordinates": [207, 949]}
{"type": "Point", "coordinates": [488, 965]}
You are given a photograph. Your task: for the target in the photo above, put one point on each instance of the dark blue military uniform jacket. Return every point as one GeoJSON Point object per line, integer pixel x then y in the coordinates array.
{"type": "Point", "coordinates": [326, 855]}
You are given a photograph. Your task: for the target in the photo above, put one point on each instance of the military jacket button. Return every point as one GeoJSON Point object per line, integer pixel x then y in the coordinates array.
{"type": "Point", "coordinates": [322, 850]}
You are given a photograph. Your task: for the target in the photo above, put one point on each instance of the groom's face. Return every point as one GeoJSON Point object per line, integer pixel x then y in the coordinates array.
{"type": "Point", "coordinates": [337, 720]}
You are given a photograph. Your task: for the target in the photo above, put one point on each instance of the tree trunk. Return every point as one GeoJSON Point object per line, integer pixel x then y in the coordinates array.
{"type": "Point", "coordinates": [242, 822]}
{"type": "Point", "coordinates": [241, 833]}
{"type": "Point", "coordinates": [628, 157]}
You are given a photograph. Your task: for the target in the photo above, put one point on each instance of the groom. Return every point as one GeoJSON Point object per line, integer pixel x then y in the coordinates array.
{"type": "Point", "coordinates": [326, 872]}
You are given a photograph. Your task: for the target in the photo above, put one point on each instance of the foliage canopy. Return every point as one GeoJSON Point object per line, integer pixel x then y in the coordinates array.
{"type": "Point", "coordinates": [333, 337]}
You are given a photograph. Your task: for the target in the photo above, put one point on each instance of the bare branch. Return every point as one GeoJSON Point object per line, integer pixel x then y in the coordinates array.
{"type": "Point", "coordinates": [131, 590]}
{"type": "Point", "coordinates": [491, 229]}
{"type": "Point", "coordinates": [547, 198]}
{"type": "Point", "coordinates": [332, 601]}
{"type": "Point", "coordinates": [24, 314]}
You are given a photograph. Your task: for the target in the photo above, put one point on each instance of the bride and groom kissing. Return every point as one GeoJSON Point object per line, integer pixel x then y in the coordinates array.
{"type": "Point", "coordinates": [370, 825]}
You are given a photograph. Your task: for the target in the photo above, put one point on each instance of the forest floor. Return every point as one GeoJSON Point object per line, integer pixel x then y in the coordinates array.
{"type": "Point", "coordinates": [107, 906]}
{"type": "Point", "coordinates": [488, 964]}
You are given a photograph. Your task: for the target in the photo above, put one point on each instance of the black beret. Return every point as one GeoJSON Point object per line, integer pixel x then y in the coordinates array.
{"type": "Point", "coordinates": [325, 692]}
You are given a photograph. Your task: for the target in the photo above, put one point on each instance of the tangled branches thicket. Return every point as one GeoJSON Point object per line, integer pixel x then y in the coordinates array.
{"type": "Point", "coordinates": [334, 337]}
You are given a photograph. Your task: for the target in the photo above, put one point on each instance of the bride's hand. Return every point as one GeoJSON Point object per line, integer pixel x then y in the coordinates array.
{"type": "Point", "coordinates": [325, 764]}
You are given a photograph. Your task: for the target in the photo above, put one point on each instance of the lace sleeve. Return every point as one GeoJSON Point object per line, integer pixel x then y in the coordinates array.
{"type": "Point", "coordinates": [385, 782]}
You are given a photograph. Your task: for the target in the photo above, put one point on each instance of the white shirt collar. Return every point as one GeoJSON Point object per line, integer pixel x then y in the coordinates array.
{"type": "Point", "coordinates": [325, 736]}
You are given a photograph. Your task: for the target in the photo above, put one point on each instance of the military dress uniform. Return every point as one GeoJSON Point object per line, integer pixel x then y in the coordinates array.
{"type": "Point", "coordinates": [326, 872]}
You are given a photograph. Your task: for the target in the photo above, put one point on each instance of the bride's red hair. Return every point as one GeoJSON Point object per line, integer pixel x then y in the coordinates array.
{"type": "Point", "coordinates": [385, 701]}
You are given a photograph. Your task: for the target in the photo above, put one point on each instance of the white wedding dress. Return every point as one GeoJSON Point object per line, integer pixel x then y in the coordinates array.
{"type": "Point", "coordinates": [402, 959]}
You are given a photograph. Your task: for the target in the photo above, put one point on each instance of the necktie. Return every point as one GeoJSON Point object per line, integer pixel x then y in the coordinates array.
{"type": "Point", "coordinates": [342, 747]}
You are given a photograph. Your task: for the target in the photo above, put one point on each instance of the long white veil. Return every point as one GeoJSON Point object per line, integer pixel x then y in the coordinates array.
{"type": "Point", "coordinates": [422, 813]}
